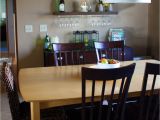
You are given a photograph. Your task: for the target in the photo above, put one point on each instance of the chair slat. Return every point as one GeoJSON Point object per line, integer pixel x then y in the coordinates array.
{"type": "Point", "coordinates": [66, 61]}
{"type": "Point", "coordinates": [111, 100]}
{"type": "Point", "coordinates": [92, 100]}
{"type": "Point", "coordinates": [102, 98]}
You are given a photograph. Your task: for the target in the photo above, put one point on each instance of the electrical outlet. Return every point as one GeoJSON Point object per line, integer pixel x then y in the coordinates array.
{"type": "Point", "coordinates": [28, 28]}
{"type": "Point", "coordinates": [43, 28]}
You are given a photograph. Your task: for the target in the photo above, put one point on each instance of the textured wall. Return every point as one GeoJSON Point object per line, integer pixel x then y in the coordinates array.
{"type": "Point", "coordinates": [132, 17]}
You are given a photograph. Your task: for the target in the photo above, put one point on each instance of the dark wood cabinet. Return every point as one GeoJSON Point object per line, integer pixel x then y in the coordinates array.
{"type": "Point", "coordinates": [89, 55]}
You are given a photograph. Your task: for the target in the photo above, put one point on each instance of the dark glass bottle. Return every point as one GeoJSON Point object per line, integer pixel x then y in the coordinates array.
{"type": "Point", "coordinates": [46, 42]}
{"type": "Point", "coordinates": [61, 6]}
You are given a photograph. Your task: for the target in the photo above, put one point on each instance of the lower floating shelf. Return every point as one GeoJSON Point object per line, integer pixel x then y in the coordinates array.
{"type": "Point", "coordinates": [86, 13]}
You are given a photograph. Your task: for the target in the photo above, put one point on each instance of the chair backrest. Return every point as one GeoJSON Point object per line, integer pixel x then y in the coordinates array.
{"type": "Point", "coordinates": [110, 50]}
{"type": "Point", "coordinates": [149, 105]}
{"type": "Point", "coordinates": [118, 76]}
{"type": "Point", "coordinates": [8, 79]}
{"type": "Point", "coordinates": [68, 53]}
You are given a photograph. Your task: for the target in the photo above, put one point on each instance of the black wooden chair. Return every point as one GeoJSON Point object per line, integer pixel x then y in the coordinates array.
{"type": "Point", "coordinates": [21, 110]}
{"type": "Point", "coordinates": [114, 108]}
{"type": "Point", "coordinates": [110, 50]}
{"type": "Point", "coordinates": [68, 53]}
{"type": "Point", "coordinates": [149, 103]}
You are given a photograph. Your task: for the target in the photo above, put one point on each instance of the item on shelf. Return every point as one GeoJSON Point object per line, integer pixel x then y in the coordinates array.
{"type": "Point", "coordinates": [106, 6]}
{"type": "Point", "coordinates": [116, 34]}
{"type": "Point", "coordinates": [88, 37]}
{"type": "Point", "coordinates": [46, 42]}
{"type": "Point", "coordinates": [61, 6]}
{"type": "Point", "coordinates": [56, 5]}
{"type": "Point", "coordinates": [110, 8]}
{"type": "Point", "coordinates": [83, 6]}
{"type": "Point", "coordinates": [100, 6]}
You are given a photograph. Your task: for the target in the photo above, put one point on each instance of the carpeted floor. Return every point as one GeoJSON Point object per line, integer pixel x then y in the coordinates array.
{"type": "Point", "coordinates": [4, 106]}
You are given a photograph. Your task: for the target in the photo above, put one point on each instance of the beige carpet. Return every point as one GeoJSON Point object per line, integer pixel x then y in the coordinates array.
{"type": "Point", "coordinates": [4, 105]}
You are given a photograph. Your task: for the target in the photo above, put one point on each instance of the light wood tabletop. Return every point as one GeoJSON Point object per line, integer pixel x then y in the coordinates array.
{"type": "Point", "coordinates": [47, 87]}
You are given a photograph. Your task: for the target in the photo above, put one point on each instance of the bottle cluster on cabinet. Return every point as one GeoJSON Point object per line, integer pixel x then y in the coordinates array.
{"type": "Point", "coordinates": [87, 37]}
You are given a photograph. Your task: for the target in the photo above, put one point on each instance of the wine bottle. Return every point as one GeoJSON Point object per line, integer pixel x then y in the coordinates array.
{"type": "Point", "coordinates": [61, 6]}
{"type": "Point", "coordinates": [46, 42]}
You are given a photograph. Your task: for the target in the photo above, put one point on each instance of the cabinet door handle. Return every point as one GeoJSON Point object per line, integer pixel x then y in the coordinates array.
{"type": "Point", "coordinates": [124, 53]}
{"type": "Point", "coordinates": [103, 55]}
{"type": "Point", "coordinates": [60, 58]}
{"type": "Point", "coordinates": [81, 56]}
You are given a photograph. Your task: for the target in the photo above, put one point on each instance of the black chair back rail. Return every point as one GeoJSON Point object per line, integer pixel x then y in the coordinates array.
{"type": "Point", "coordinates": [110, 50]}
{"type": "Point", "coordinates": [68, 53]}
{"type": "Point", "coordinates": [124, 74]}
{"type": "Point", "coordinates": [21, 111]}
{"type": "Point", "coordinates": [152, 105]}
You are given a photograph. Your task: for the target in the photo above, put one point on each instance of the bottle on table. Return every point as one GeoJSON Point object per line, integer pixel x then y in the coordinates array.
{"type": "Point", "coordinates": [61, 6]}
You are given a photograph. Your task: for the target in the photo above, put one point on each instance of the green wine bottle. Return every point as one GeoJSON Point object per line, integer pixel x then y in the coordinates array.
{"type": "Point", "coordinates": [46, 42]}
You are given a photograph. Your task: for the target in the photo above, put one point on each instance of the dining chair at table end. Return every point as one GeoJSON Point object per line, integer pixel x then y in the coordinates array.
{"type": "Point", "coordinates": [147, 105]}
{"type": "Point", "coordinates": [21, 110]}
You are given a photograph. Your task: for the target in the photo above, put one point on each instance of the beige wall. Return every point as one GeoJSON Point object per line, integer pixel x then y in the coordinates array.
{"type": "Point", "coordinates": [132, 17]}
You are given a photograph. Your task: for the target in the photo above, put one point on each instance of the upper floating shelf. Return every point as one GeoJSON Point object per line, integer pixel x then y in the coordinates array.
{"type": "Point", "coordinates": [85, 13]}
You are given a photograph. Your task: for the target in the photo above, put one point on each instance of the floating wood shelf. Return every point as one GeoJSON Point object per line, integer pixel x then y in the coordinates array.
{"type": "Point", "coordinates": [85, 13]}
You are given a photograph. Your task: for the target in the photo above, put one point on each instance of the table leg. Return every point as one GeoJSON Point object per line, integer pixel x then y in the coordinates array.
{"type": "Point", "coordinates": [35, 111]}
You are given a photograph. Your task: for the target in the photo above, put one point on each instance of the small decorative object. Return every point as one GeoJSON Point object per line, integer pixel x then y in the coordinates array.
{"type": "Point", "coordinates": [100, 6]}
{"type": "Point", "coordinates": [110, 8]}
{"type": "Point", "coordinates": [116, 34]}
{"type": "Point", "coordinates": [83, 6]}
{"type": "Point", "coordinates": [89, 6]}
{"type": "Point", "coordinates": [106, 6]}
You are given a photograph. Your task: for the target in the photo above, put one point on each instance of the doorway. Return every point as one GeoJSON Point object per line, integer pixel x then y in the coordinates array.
{"type": "Point", "coordinates": [3, 26]}
{"type": "Point", "coordinates": [7, 28]}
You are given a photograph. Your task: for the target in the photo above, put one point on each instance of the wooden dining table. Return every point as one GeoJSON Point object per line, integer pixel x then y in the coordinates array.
{"type": "Point", "coordinates": [54, 86]}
